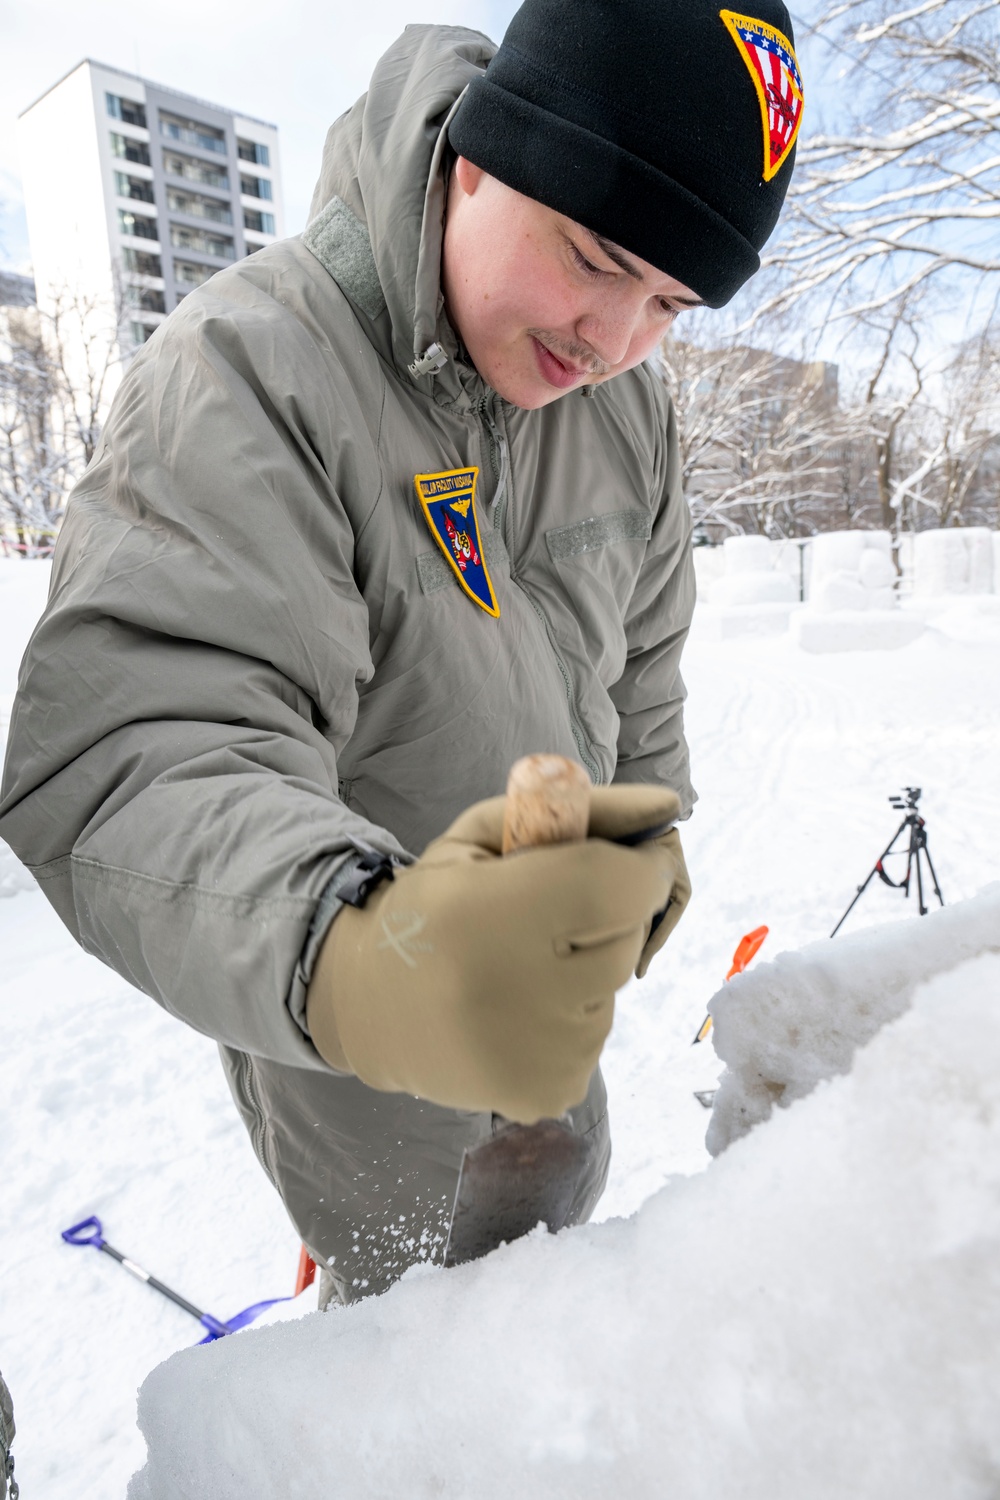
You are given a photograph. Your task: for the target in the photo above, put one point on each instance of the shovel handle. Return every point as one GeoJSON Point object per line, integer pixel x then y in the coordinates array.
{"type": "Point", "coordinates": [548, 802]}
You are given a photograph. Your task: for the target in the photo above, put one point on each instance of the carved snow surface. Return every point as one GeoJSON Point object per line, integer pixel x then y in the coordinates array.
{"type": "Point", "coordinates": [817, 1314]}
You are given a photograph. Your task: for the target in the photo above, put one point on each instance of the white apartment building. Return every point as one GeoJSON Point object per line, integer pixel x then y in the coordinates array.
{"type": "Point", "coordinates": [135, 194]}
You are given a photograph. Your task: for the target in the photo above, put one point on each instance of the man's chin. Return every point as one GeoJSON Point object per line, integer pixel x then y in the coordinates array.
{"type": "Point", "coordinates": [529, 392]}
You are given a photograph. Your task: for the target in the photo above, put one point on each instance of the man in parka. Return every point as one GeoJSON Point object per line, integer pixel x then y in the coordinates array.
{"type": "Point", "coordinates": [378, 511]}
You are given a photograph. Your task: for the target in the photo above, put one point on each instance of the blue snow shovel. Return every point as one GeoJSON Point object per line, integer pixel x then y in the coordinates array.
{"type": "Point", "coordinates": [89, 1232]}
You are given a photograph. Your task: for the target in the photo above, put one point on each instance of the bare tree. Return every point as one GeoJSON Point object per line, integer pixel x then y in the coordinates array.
{"type": "Point", "coordinates": [759, 436]}
{"type": "Point", "coordinates": [908, 192]}
{"type": "Point", "coordinates": [56, 370]}
{"type": "Point", "coordinates": [33, 464]}
{"type": "Point", "coordinates": [954, 445]}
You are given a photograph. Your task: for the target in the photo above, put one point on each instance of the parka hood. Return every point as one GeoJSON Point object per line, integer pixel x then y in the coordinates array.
{"type": "Point", "coordinates": [385, 160]}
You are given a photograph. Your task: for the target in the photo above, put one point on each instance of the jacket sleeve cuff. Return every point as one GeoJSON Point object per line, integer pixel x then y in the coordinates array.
{"type": "Point", "coordinates": [327, 907]}
{"type": "Point", "coordinates": [348, 884]}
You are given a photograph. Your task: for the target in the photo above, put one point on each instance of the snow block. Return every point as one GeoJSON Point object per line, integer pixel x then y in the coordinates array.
{"type": "Point", "coordinates": [747, 554]}
{"type": "Point", "coordinates": [713, 622]}
{"type": "Point", "coordinates": [955, 560]}
{"type": "Point", "coordinates": [786, 1025]}
{"type": "Point", "coordinates": [755, 588]}
{"type": "Point", "coordinates": [816, 1315]}
{"type": "Point", "coordinates": [855, 630]}
{"type": "Point", "coordinates": [708, 567]}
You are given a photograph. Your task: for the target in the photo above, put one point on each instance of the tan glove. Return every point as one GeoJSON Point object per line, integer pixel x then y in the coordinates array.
{"type": "Point", "coordinates": [488, 983]}
{"type": "Point", "coordinates": [680, 895]}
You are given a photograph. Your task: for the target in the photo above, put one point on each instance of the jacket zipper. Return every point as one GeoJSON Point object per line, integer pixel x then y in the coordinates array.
{"type": "Point", "coordinates": [258, 1135]}
{"type": "Point", "coordinates": [499, 455]}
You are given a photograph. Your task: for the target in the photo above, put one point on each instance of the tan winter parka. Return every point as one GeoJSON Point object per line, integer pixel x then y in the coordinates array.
{"type": "Point", "coordinates": [255, 659]}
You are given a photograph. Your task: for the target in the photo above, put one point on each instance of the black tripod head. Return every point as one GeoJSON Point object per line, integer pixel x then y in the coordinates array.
{"type": "Point", "coordinates": [907, 799]}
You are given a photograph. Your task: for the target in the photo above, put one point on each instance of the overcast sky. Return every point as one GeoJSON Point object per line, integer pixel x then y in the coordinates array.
{"type": "Point", "coordinates": [297, 63]}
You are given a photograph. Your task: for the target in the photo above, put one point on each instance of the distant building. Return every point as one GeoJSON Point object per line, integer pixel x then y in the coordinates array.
{"type": "Point", "coordinates": [135, 194]}
{"type": "Point", "coordinates": [15, 290]}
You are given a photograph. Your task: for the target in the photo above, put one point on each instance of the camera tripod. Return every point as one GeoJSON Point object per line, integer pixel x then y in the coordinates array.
{"type": "Point", "coordinates": [917, 849]}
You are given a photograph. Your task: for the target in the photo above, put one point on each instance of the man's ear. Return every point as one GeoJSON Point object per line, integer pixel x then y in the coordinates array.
{"type": "Point", "coordinates": [468, 175]}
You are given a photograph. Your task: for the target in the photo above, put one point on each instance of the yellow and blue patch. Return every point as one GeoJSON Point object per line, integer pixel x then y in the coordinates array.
{"type": "Point", "coordinates": [774, 68]}
{"type": "Point", "coordinates": [448, 501]}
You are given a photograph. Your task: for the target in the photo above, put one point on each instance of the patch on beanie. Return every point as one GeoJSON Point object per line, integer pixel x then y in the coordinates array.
{"type": "Point", "coordinates": [775, 72]}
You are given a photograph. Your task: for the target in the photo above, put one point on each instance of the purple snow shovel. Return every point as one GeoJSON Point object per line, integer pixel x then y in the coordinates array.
{"type": "Point", "coordinates": [89, 1232]}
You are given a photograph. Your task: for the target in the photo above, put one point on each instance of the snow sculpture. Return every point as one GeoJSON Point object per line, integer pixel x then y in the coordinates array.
{"type": "Point", "coordinates": [852, 597]}
{"type": "Point", "coordinates": [956, 560]}
{"type": "Point", "coordinates": [852, 570]}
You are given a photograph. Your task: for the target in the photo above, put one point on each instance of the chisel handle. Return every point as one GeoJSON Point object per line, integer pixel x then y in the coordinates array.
{"type": "Point", "coordinates": [548, 802]}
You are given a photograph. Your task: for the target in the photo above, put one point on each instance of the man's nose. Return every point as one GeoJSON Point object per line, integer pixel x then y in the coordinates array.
{"type": "Point", "coordinates": [608, 330]}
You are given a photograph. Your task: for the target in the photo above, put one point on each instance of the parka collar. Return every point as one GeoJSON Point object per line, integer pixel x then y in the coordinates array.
{"type": "Point", "coordinates": [378, 210]}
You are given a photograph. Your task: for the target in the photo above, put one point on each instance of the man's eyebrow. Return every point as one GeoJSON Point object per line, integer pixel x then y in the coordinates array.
{"type": "Point", "coordinates": [621, 260]}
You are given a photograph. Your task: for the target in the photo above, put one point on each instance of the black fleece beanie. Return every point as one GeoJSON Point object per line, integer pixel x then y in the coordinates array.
{"type": "Point", "coordinates": [668, 126]}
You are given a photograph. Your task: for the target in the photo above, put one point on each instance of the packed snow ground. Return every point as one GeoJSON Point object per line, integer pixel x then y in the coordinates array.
{"type": "Point", "coordinates": [111, 1107]}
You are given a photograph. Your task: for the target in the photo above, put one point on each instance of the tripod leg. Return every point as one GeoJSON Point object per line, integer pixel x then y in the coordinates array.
{"type": "Point", "coordinates": [875, 870]}
{"type": "Point", "coordinates": [915, 850]}
{"type": "Point", "coordinates": [860, 892]}
{"type": "Point", "coordinates": [930, 866]}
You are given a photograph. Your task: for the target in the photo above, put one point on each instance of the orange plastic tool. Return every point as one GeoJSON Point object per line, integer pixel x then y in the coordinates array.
{"type": "Point", "coordinates": [746, 948]}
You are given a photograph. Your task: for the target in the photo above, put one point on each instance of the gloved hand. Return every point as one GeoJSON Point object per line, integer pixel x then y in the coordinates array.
{"type": "Point", "coordinates": [487, 983]}
{"type": "Point", "coordinates": [680, 895]}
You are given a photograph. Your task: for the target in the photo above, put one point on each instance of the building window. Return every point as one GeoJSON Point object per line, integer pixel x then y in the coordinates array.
{"type": "Point", "coordinates": [133, 187]}
{"type": "Point", "coordinates": [262, 223]}
{"type": "Point", "coordinates": [129, 223]}
{"type": "Point", "coordinates": [147, 298]}
{"type": "Point", "coordinates": [126, 109]}
{"type": "Point", "coordinates": [253, 151]}
{"type": "Point", "coordinates": [187, 273]}
{"type": "Point", "coordinates": [198, 207]}
{"type": "Point", "coordinates": [189, 167]}
{"type": "Point", "coordinates": [142, 262]}
{"type": "Point", "coordinates": [130, 150]}
{"type": "Point", "coordinates": [202, 242]}
{"type": "Point", "coordinates": [193, 133]}
{"type": "Point", "coordinates": [255, 187]}
{"type": "Point", "coordinates": [253, 247]}
{"type": "Point", "coordinates": [141, 332]}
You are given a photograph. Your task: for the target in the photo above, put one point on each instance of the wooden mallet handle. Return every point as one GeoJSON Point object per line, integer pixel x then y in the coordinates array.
{"type": "Point", "coordinates": [548, 802]}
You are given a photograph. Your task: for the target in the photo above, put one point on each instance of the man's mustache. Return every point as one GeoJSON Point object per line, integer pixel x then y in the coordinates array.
{"type": "Point", "coordinates": [571, 352]}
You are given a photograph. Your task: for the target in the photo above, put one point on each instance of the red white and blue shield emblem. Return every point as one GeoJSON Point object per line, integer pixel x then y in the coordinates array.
{"type": "Point", "coordinates": [774, 69]}
{"type": "Point", "coordinates": [448, 501]}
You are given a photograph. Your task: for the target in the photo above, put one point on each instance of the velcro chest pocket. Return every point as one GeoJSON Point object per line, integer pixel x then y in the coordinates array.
{"type": "Point", "coordinates": [597, 563]}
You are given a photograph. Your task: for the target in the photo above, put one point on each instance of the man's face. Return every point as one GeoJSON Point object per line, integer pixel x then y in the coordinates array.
{"type": "Point", "coordinates": [542, 305]}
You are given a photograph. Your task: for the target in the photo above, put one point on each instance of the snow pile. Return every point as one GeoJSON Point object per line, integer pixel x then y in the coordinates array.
{"type": "Point", "coordinates": [956, 560]}
{"type": "Point", "coordinates": [974, 620]}
{"type": "Point", "coordinates": [818, 1314]}
{"type": "Point", "coordinates": [786, 1025]}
